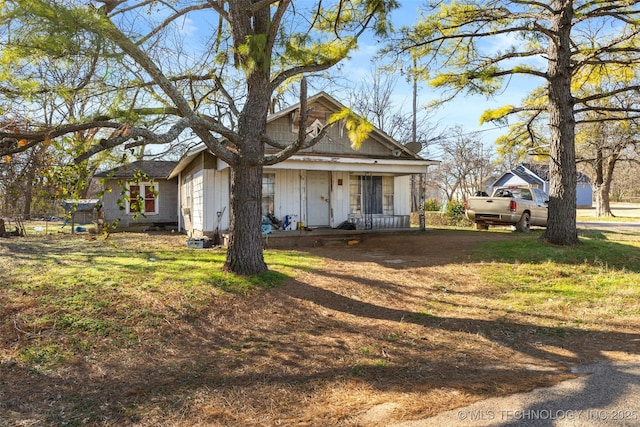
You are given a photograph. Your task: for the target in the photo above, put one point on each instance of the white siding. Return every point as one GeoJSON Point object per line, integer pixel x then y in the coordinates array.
{"type": "Point", "coordinates": [217, 199]}
{"type": "Point", "coordinates": [290, 195]}
{"type": "Point", "coordinates": [209, 220]}
{"type": "Point", "coordinates": [208, 185]}
{"type": "Point", "coordinates": [197, 197]}
{"type": "Point", "coordinates": [287, 194]}
{"type": "Point", "coordinates": [205, 193]}
{"type": "Point", "coordinates": [185, 194]}
{"type": "Point", "coordinates": [584, 194]}
{"type": "Point", "coordinates": [339, 198]}
{"type": "Point", "coordinates": [402, 195]}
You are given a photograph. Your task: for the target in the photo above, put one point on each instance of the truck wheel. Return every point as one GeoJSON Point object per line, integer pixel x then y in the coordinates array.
{"type": "Point", "coordinates": [524, 224]}
{"type": "Point", "coordinates": [482, 226]}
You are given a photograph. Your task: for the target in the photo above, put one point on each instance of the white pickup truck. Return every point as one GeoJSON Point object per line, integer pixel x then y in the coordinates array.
{"type": "Point", "coordinates": [521, 207]}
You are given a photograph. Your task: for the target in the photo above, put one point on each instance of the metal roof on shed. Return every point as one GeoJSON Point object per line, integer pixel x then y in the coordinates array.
{"type": "Point", "coordinates": [79, 205]}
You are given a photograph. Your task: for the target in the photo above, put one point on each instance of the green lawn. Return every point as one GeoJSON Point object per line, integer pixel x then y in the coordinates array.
{"type": "Point", "coordinates": [596, 280]}
{"type": "Point", "coordinates": [70, 295]}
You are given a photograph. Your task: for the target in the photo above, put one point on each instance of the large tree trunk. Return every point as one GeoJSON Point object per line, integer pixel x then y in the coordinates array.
{"type": "Point", "coordinates": [244, 255]}
{"type": "Point", "coordinates": [561, 228]}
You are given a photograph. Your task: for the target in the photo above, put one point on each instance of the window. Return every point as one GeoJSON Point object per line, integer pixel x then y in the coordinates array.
{"type": "Point", "coordinates": [371, 195]}
{"type": "Point", "coordinates": [268, 193]}
{"type": "Point", "coordinates": [315, 128]}
{"type": "Point", "coordinates": [541, 195]}
{"type": "Point", "coordinates": [143, 197]}
{"type": "Point", "coordinates": [522, 193]}
{"type": "Point", "coordinates": [387, 194]}
{"type": "Point", "coordinates": [355, 190]}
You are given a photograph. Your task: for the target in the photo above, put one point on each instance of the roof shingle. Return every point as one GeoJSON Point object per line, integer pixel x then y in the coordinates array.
{"type": "Point", "coordinates": [159, 169]}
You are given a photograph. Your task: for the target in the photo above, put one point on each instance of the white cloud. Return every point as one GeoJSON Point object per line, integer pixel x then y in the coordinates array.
{"type": "Point", "coordinates": [186, 26]}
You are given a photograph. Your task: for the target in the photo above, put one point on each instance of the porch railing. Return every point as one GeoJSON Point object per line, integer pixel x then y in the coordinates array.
{"type": "Point", "coordinates": [381, 221]}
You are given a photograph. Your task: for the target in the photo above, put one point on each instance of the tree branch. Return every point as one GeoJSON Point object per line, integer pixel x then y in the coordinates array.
{"type": "Point", "coordinates": [607, 94]}
{"type": "Point", "coordinates": [295, 71]}
{"type": "Point", "coordinates": [170, 19]}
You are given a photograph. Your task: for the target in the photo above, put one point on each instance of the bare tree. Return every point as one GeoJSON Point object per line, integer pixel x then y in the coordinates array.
{"type": "Point", "coordinates": [19, 182]}
{"type": "Point", "coordinates": [466, 165]}
{"type": "Point", "coordinates": [625, 186]}
{"type": "Point", "coordinates": [603, 145]}
{"type": "Point", "coordinates": [47, 171]}
{"type": "Point", "coordinates": [373, 98]}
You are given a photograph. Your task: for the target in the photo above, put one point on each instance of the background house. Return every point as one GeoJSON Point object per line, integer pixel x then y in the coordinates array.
{"type": "Point", "coordinates": [322, 186]}
{"type": "Point", "coordinates": [147, 179]}
{"type": "Point", "coordinates": [536, 175]}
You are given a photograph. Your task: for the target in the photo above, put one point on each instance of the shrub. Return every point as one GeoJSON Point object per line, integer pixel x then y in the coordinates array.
{"type": "Point", "coordinates": [432, 205]}
{"type": "Point", "coordinates": [454, 208]}
{"type": "Point", "coordinates": [455, 214]}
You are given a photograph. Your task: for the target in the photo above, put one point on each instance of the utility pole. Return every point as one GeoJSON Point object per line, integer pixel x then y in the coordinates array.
{"type": "Point", "coordinates": [414, 137]}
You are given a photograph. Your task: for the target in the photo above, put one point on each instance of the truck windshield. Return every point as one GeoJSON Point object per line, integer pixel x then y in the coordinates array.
{"type": "Point", "coordinates": [518, 193]}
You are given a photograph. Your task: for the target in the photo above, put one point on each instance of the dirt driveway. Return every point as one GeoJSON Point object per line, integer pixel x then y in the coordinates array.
{"type": "Point", "coordinates": [385, 330]}
{"type": "Point", "coordinates": [431, 247]}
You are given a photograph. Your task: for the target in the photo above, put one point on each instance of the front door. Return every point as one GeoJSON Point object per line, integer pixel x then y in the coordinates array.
{"type": "Point", "coordinates": [318, 204]}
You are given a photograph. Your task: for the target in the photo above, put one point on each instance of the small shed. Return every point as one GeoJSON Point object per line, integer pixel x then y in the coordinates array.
{"type": "Point", "coordinates": [83, 211]}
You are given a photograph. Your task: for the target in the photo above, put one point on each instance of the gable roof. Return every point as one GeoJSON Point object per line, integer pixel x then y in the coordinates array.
{"type": "Point", "coordinates": [527, 175]}
{"type": "Point", "coordinates": [334, 105]}
{"type": "Point", "coordinates": [187, 158]}
{"type": "Point", "coordinates": [535, 174]}
{"type": "Point", "coordinates": [158, 169]}
{"type": "Point", "coordinates": [409, 159]}
{"type": "Point", "coordinates": [541, 170]}
{"type": "Point", "coordinates": [324, 97]}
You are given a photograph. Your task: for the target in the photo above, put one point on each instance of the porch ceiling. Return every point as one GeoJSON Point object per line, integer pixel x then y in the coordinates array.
{"type": "Point", "coordinates": [347, 164]}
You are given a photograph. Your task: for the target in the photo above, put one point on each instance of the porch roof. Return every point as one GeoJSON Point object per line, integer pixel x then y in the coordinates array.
{"type": "Point", "coordinates": [355, 164]}
{"type": "Point", "coordinates": [328, 163]}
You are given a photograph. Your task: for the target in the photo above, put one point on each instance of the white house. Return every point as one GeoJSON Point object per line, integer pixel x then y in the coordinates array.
{"type": "Point", "coordinates": [322, 186]}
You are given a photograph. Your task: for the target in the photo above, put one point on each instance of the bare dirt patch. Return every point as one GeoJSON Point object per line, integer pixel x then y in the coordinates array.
{"type": "Point", "coordinates": [353, 342]}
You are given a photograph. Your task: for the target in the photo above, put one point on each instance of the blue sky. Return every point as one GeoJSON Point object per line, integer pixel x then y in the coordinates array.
{"type": "Point", "coordinates": [464, 111]}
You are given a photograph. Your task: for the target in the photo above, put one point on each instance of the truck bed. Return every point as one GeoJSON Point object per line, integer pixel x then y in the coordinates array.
{"type": "Point", "coordinates": [520, 207]}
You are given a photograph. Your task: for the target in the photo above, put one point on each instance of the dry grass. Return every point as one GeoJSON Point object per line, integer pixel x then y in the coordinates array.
{"type": "Point", "coordinates": [401, 320]}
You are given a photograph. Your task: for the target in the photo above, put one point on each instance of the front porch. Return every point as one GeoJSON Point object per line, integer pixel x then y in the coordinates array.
{"type": "Point", "coordinates": [280, 239]}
